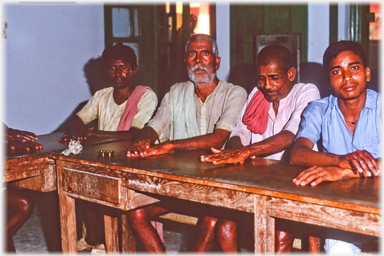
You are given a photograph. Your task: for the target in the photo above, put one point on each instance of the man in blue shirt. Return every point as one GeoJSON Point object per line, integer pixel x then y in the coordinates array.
{"type": "Point", "coordinates": [347, 123]}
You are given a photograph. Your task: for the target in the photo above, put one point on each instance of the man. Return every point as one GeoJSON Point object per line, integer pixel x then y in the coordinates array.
{"type": "Point", "coordinates": [348, 123]}
{"type": "Point", "coordinates": [19, 203]}
{"type": "Point", "coordinates": [270, 118]}
{"type": "Point", "coordinates": [122, 110]}
{"type": "Point", "coordinates": [198, 114]}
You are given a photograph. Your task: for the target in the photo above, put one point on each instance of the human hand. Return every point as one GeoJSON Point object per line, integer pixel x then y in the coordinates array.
{"type": "Point", "coordinates": [21, 136]}
{"type": "Point", "coordinates": [362, 161]}
{"type": "Point", "coordinates": [22, 140]}
{"type": "Point", "coordinates": [226, 156]}
{"type": "Point", "coordinates": [159, 149]}
{"type": "Point", "coordinates": [80, 135]}
{"type": "Point", "coordinates": [139, 148]}
{"type": "Point", "coordinates": [318, 174]}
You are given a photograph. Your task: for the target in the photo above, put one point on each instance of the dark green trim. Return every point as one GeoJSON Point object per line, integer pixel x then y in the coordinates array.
{"type": "Point", "coordinates": [299, 19]}
{"type": "Point", "coordinates": [333, 23]}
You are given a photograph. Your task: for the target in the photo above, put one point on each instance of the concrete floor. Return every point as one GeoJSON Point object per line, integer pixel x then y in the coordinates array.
{"type": "Point", "coordinates": [41, 233]}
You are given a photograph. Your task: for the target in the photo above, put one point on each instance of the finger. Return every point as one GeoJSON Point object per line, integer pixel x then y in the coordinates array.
{"type": "Point", "coordinates": [304, 175]}
{"type": "Point", "coordinates": [357, 165]}
{"type": "Point", "coordinates": [317, 181]}
{"type": "Point", "coordinates": [371, 162]}
{"type": "Point", "coordinates": [214, 150]}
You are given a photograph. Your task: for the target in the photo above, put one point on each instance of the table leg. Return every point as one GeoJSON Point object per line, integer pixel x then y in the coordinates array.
{"type": "Point", "coordinates": [68, 224]}
{"type": "Point", "coordinates": [111, 230]}
{"type": "Point", "coordinates": [264, 227]}
{"type": "Point", "coordinates": [128, 243]}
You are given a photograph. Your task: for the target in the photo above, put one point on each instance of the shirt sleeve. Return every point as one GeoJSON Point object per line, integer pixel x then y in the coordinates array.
{"type": "Point", "coordinates": [310, 126]}
{"type": "Point", "coordinates": [145, 109]}
{"type": "Point", "coordinates": [161, 121]}
{"type": "Point", "coordinates": [241, 129]}
{"type": "Point", "coordinates": [305, 95]}
{"type": "Point", "coordinates": [235, 101]}
{"type": "Point", "coordinates": [90, 111]}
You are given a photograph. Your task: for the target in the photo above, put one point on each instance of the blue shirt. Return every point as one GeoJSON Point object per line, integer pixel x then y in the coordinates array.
{"type": "Point", "coordinates": [322, 119]}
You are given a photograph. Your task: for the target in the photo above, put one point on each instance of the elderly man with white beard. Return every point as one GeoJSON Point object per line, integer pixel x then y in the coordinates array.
{"type": "Point", "coordinates": [197, 114]}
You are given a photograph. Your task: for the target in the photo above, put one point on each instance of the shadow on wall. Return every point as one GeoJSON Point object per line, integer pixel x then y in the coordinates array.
{"type": "Point", "coordinates": [97, 79]}
{"type": "Point", "coordinates": [244, 75]}
{"type": "Point", "coordinates": [313, 72]}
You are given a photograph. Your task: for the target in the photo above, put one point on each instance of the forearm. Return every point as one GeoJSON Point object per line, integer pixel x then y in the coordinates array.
{"type": "Point", "coordinates": [147, 133]}
{"type": "Point", "coordinates": [306, 157]}
{"type": "Point", "coordinates": [234, 143]}
{"type": "Point", "coordinates": [212, 140]}
{"type": "Point", "coordinates": [271, 145]}
{"type": "Point", "coordinates": [123, 135]}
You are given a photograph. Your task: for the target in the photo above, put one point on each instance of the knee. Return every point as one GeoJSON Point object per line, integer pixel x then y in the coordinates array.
{"type": "Point", "coordinates": [26, 204]}
{"type": "Point", "coordinates": [226, 229]}
{"type": "Point", "coordinates": [137, 217]}
{"type": "Point", "coordinates": [207, 223]}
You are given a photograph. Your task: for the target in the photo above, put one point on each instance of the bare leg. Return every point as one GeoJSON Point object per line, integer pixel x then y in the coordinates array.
{"type": "Point", "coordinates": [140, 221]}
{"type": "Point", "coordinates": [283, 242]}
{"type": "Point", "coordinates": [206, 234]}
{"type": "Point", "coordinates": [20, 206]}
{"type": "Point", "coordinates": [227, 235]}
{"type": "Point", "coordinates": [93, 221]}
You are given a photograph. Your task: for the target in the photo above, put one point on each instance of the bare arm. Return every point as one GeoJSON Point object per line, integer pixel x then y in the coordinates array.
{"type": "Point", "coordinates": [123, 135]}
{"type": "Point", "coordinates": [236, 154]}
{"type": "Point", "coordinates": [145, 138]}
{"type": "Point", "coordinates": [330, 167]}
{"type": "Point", "coordinates": [77, 130]}
{"type": "Point", "coordinates": [215, 139]}
{"type": "Point", "coordinates": [303, 155]}
{"type": "Point", "coordinates": [21, 140]}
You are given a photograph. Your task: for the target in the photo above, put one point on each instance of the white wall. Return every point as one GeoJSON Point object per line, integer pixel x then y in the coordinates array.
{"type": "Point", "coordinates": [46, 48]}
{"type": "Point", "coordinates": [318, 31]}
{"type": "Point", "coordinates": [222, 38]}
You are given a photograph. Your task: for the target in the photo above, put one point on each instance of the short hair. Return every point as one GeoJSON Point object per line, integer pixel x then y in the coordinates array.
{"type": "Point", "coordinates": [206, 38]}
{"type": "Point", "coordinates": [119, 51]}
{"type": "Point", "coordinates": [275, 53]}
{"type": "Point", "coordinates": [337, 47]}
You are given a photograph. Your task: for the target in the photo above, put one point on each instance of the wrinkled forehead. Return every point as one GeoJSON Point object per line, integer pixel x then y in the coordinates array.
{"type": "Point", "coordinates": [199, 44]}
{"type": "Point", "coordinates": [270, 66]}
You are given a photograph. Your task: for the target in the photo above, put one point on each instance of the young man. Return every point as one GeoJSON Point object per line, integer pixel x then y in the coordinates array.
{"type": "Point", "coordinates": [122, 110]}
{"type": "Point", "coordinates": [348, 123]}
{"type": "Point", "coordinates": [270, 118]}
{"type": "Point", "coordinates": [197, 114]}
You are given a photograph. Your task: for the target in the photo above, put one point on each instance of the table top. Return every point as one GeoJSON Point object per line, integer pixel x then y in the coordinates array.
{"type": "Point", "coordinates": [50, 143]}
{"type": "Point", "coordinates": [259, 176]}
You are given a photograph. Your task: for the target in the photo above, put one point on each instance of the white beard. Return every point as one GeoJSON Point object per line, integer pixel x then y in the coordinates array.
{"type": "Point", "coordinates": [201, 78]}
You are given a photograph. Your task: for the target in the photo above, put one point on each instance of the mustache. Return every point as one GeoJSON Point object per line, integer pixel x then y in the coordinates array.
{"type": "Point", "coordinates": [198, 66]}
{"type": "Point", "coordinates": [269, 91]}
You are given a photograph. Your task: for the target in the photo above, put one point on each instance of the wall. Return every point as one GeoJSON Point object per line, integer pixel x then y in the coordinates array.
{"type": "Point", "coordinates": [46, 49]}
{"type": "Point", "coordinates": [318, 31]}
{"type": "Point", "coordinates": [48, 45]}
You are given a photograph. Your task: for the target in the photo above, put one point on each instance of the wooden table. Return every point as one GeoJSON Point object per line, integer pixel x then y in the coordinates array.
{"type": "Point", "coordinates": [263, 187]}
{"type": "Point", "coordinates": [34, 170]}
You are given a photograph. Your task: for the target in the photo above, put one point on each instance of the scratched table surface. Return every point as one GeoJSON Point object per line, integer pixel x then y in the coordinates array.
{"type": "Point", "coordinates": [50, 143]}
{"type": "Point", "coordinates": [260, 176]}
